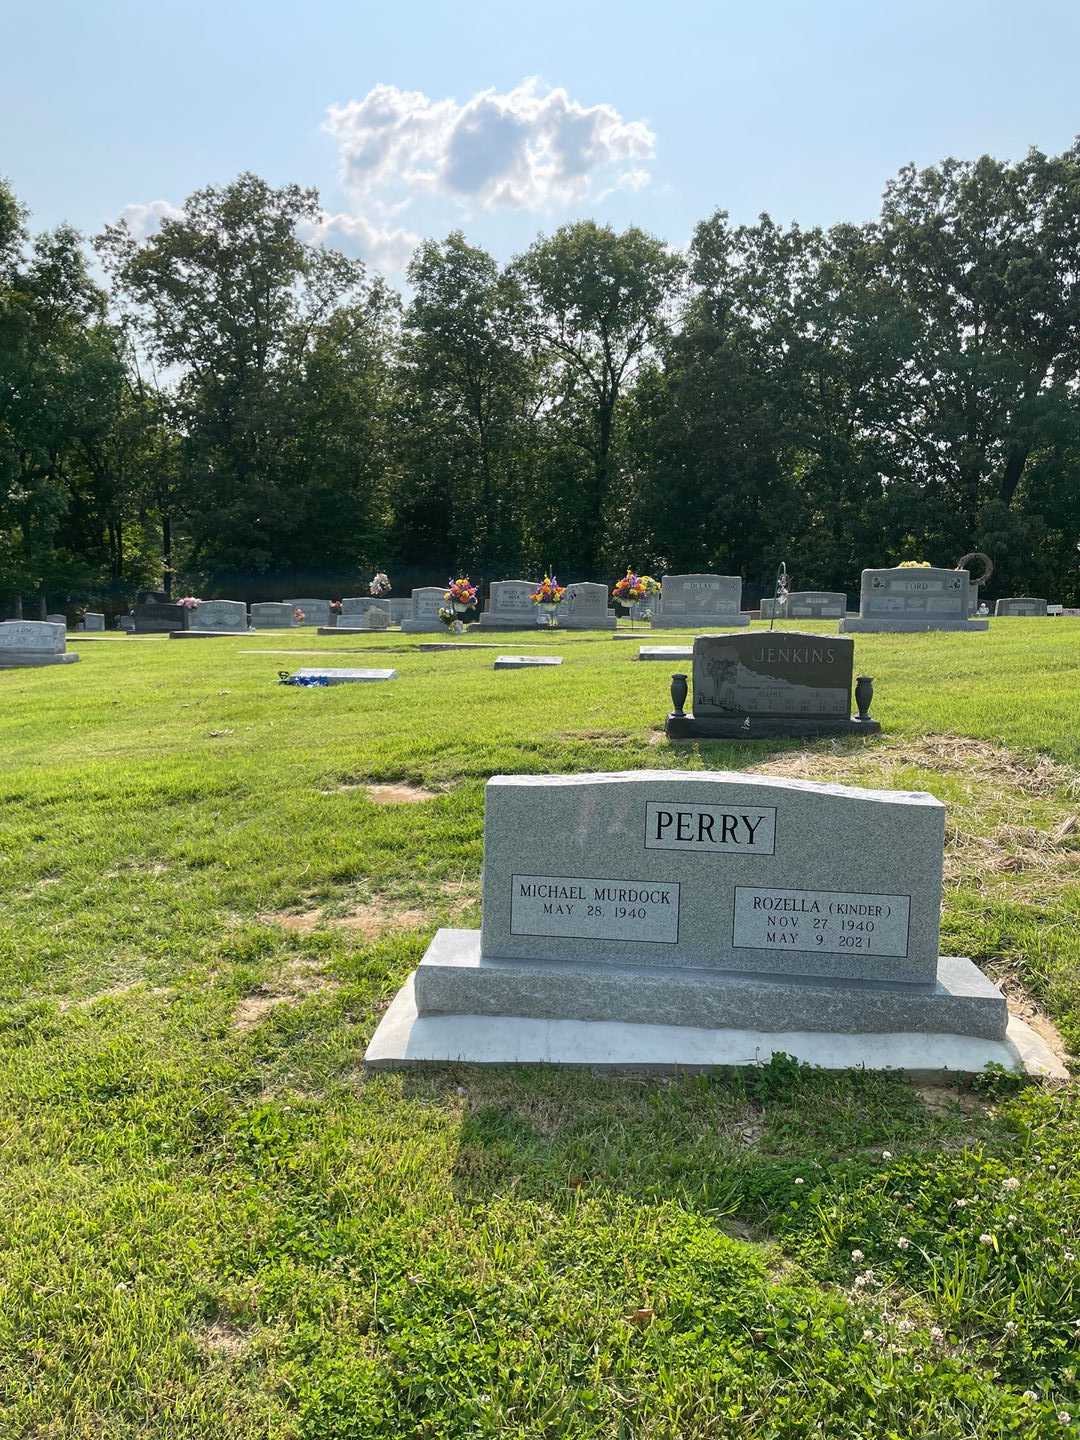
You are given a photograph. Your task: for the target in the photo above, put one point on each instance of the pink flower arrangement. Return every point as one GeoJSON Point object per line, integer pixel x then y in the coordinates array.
{"type": "Point", "coordinates": [380, 584]}
{"type": "Point", "coordinates": [189, 602]}
{"type": "Point", "coordinates": [298, 615]}
{"type": "Point", "coordinates": [548, 592]}
{"type": "Point", "coordinates": [460, 592]}
{"type": "Point", "coordinates": [335, 607]}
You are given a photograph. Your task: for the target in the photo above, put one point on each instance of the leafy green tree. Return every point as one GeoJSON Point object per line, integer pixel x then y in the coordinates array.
{"type": "Point", "coordinates": [599, 304]}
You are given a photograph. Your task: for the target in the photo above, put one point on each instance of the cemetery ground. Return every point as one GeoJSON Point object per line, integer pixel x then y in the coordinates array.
{"type": "Point", "coordinates": [214, 1223]}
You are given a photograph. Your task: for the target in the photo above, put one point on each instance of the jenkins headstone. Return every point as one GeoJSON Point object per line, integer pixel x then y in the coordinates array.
{"type": "Point", "coordinates": [771, 683]}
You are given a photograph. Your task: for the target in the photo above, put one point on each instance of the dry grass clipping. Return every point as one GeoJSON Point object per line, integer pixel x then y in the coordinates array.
{"type": "Point", "coordinates": [980, 847]}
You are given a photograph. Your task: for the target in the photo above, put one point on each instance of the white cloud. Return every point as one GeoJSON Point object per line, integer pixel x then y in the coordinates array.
{"type": "Point", "coordinates": [527, 148]}
{"type": "Point", "coordinates": [144, 217]}
{"type": "Point", "coordinates": [388, 249]}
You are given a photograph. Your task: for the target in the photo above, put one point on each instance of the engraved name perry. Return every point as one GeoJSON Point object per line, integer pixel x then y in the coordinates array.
{"type": "Point", "coordinates": [670, 826]}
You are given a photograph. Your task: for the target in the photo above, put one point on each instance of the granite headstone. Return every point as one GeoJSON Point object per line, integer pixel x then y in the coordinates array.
{"type": "Point", "coordinates": [423, 618]}
{"type": "Point", "coordinates": [1021, 605]}
{"type": "Point", "coordinates": [510, 606]}
{"type": "Point", "coordinates": [906, 599]}
{"type": "Point", "coordinates": [755, 907]}
{"type": "Point", "coordinates": [32, 643]}
{"type": "Point", "coordinates": [693, 601]}
{"type": "Point", "coordinates": [771, 683]}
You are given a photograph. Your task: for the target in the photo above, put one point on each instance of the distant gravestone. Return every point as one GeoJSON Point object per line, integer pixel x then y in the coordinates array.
{"type": "Point", "coordinates": [272, 615]}
{"type": "Point", "coordinates": [156, 614]}
{"type": "Point", "coordinates": [770, 609]}
{"type": "Point", "coordinates": [693, 601]}
{"type": "Point", "coordinates": [218, 617]}
{"type": "Point", "coordinates": [363, 613]}
{"type": "Point", "coordinates": [525, 662]}
{"type": "Point", "coordinates": [510, 606]}
{"type": "Point", "coordinates": [812, 605]}
{"type": "Point", "coordinates": [783, 682]}
{"type": "Point", "coordinates": [703, 918]}
{"type": "Point", "coordinates": [585, 606]}
{"type": "Point", "coordinates": [126, 622]}
{"type": "Point", "coordinates": [427, 601]}
{"type": "Point", "coordinates": [399, 609]}
{"type": "Point", "coordinates": [1021, 605]}
{"type": "Point", "coordinates": [316, 612]}
{"type": "Point", "coordinates": [56, 620]}
{"type": "Point", "coordinates": [913, 598]}
{"type": "Point", "coordinates": [32, 643]}
{"type": "Point", "coordinates": [93, 620]}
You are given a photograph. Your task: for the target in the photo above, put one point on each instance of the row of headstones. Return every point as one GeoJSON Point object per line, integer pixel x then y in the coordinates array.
{"type": "Point", "coordinates": [897, 599]}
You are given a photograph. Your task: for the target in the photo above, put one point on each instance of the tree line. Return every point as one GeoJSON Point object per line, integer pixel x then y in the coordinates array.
{"type": "Point", "coordinates": [227, 408]}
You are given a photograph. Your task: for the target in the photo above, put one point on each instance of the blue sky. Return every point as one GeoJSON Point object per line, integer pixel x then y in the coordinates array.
{"type": "Point", "coordinates": [415, 118]}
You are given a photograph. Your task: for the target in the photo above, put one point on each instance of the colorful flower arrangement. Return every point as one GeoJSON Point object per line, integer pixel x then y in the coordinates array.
{"type": "Point", "coordinates": [335, 607]}
{"type": "Point", "coordinates": [914, 565]}
{"type": "Point", "coordinates": [189, 602]}
{"type": "Point", "coordinates": [298, 615]}
{"type": "Point", "coordinates": [548, 592]}
{"type": "Point", "coordinates": [634, 588]}
{"type": "Point", "coordinates": [380, 584]}
{"type": "Point", "coordinates": [461, 592]}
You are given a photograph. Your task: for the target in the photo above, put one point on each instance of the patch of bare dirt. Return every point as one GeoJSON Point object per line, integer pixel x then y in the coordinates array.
{"type": "Point", "coordinates": [369, 920]}
{"type": "Point", "coordinates": [398, 793]}
{"type": "Point", "coordinates": [225, 1339]}
{"type": "Point", "coordinates": [137, 867]}
{"type": "Point", "coordinates": [943, 1099]}
{"type": "Point", "coordinates": [1024, 1008]}
{"type": "Point", "coordinates": [116, 992]}
{"type": "Point", "coordinates": [404, 794]}
{"type": "Point", "coordinates": [299, 978]}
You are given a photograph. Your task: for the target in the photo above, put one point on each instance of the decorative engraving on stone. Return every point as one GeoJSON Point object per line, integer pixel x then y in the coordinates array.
{"type": "Point", "coordinates": [584, 908]}
{"type": "Point", "coordinates": [715, 829]}
{"type": "Point", "coordinates": [834, 922]}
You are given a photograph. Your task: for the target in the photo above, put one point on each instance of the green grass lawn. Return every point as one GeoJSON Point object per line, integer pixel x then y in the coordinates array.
{"type": "Point", "coordinates": [212, 1223]}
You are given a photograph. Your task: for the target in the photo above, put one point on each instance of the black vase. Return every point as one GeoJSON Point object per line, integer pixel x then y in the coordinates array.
{"type": "Point", "coordinates": [864, 695]}
{"type": "Point", "coordinates": [679, 689]}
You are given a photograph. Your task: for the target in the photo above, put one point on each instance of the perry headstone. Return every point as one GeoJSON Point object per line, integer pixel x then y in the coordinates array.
{"type": "Point", "coordinates": [912, 598]}
{"type": "Point", "coordinates": [33, 642]}
{"type": "Point", "coordinates": [741, 904]}
{"type": "Point", "coordinates": [510, 606]}
{"type": "Point", "coordinates": [427, 601]}
{"type": "Point", "coordinates": [771, 683]}
{"type": "Point", "coordinates": [1021, 605]}
{"type": "Point", "coordinates": [692, 601]}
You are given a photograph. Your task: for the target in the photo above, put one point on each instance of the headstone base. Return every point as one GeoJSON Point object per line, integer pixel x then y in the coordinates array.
{"type": "Point", "coordinates": [30, 659]}
{"type": "Point", "coordinates": [353, 629]}
{"type": "Point", "coordinates": [713, 624]}
{"type": "Point", "coordinates": [761, 727]}
{"type": "Point", "coordinates": [881, 626]}
{"type": "Point", "coordinates": [205, 634]}
{"type": "Point", "coordinates": [454, 978]}
{"type": "Point", "coordinates": [406, 1040]}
